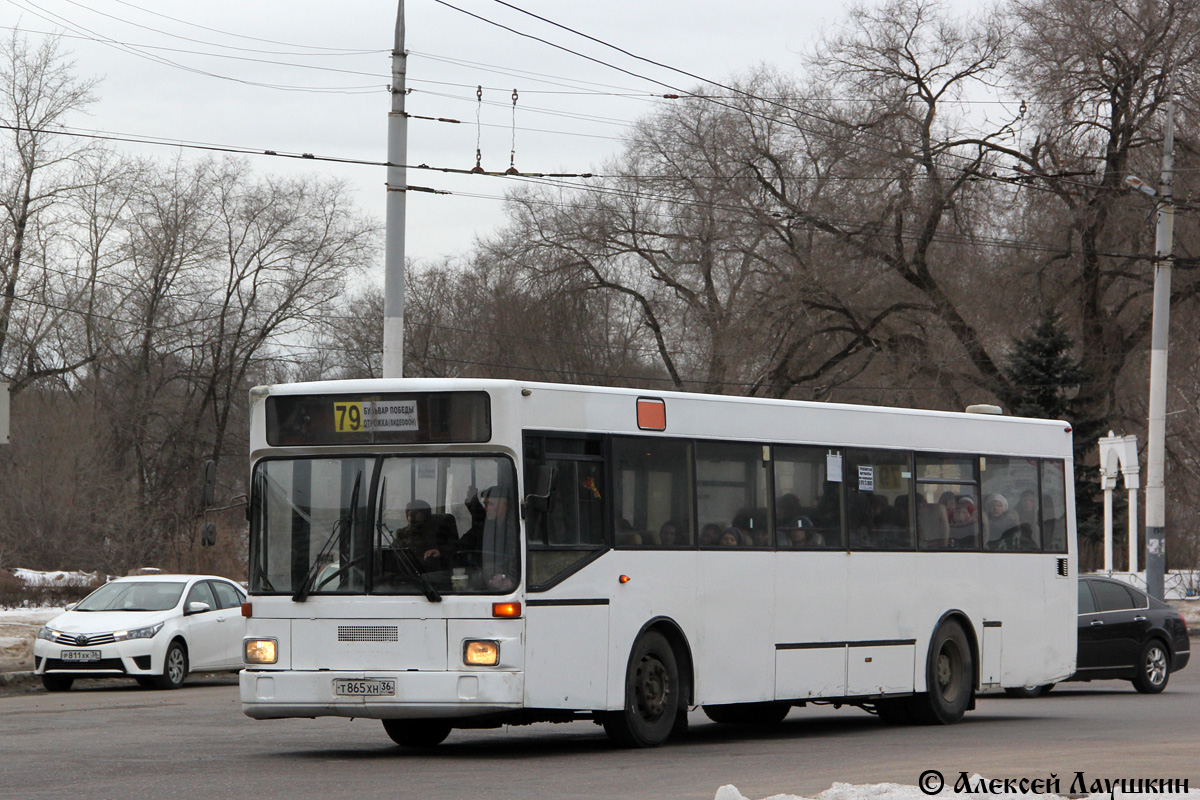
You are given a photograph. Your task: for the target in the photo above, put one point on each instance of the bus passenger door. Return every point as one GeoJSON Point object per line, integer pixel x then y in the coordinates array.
{"type": "Point", "coordinates": [566, 612]}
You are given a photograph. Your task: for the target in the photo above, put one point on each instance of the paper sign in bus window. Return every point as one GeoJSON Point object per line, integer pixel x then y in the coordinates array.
{"type": "Point", "coordinates": [866, 479]}
{"type": "Point", "coordinates": [833, 467]}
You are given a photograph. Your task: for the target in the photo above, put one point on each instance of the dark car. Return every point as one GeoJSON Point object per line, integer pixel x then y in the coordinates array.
{"type": "Point", "coordinates": [1125, 634]}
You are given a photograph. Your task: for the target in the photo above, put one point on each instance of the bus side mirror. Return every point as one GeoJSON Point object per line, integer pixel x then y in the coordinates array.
{"type": "Point", "coordinates": [208, 488]}
{"type": "Point", "coordinates": [541, 500]}
{"type": "Point", "coordinates": [208, 534]}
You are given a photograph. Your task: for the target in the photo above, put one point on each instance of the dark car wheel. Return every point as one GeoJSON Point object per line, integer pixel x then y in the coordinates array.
{"type": "Point", "coordinates": [57, 683]}
{"type": "Point", "coordinates": [1028, 691]}
{"type": "Point", "coordinates": [1153, 668]}
{"type": "Point", "coordinates": [175, 667]}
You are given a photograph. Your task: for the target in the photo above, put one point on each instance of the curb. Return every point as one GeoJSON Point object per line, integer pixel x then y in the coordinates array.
{"type": "Point", "coordinates": [11, 678]}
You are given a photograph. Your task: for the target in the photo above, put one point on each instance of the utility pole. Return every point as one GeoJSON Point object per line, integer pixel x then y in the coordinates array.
{"type": "Point", "coordinates": [397, 183]}
{"type": "Point", "coordinates": [1156, 496]}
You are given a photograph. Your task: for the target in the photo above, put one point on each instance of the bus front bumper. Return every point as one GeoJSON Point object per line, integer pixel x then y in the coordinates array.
{"type": "Point", "coordinates": [283, 694]}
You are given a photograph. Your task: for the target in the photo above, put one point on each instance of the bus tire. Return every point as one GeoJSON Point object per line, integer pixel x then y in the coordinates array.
{"type": "Point", "coordinates": [652, 695]}
{"type": "Point", "coordinates": [419, 733]}
{"type": "Point", "coordinates": [949, 677]}
{"type": "Point", "coordinates": [762, 714]}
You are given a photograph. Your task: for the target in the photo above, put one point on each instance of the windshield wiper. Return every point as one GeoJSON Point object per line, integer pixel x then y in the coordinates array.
{"type": "Point", "coordinates": [302, 593]}
{"type": "Point", "coordinates": [406, 559]}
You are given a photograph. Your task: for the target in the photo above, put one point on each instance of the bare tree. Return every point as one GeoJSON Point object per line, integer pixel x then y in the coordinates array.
{"type": "Point", "coordinates": [38, 90]}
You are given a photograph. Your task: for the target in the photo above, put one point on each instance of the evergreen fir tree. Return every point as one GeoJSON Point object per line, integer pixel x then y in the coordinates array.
{"type": "Point", "coordinates": [1044, 380]}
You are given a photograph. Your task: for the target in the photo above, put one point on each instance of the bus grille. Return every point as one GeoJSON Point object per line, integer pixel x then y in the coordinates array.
{"type": "Point", "coordinates": [368, 633]}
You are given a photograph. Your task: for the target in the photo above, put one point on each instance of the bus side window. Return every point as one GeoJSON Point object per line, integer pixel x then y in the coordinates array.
{"type": "Point", "coordinates": [808, 499]}
{"type": "Point", "coordinates": [652, 487]}
{"type": "Point", "coordinates": [1054, 504]}
{"type": "Point", "coordinates": [572, 530]}
{"type": "Point", "coordinates": [947, 502]}
{"type": "Point", "coordinates": [1008, 523]}
{"type": "Point", "coordinates": [731, 493]}
{"type": "Point", "coordinates": [876, 478]}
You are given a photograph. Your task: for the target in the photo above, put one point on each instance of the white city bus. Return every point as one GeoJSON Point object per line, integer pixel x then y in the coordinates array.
{"type": "Point", "coordinates": [443, 554]}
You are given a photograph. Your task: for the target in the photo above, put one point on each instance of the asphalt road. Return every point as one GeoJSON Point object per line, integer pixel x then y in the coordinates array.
{"type": "Point", "coordinates": [120, 741]}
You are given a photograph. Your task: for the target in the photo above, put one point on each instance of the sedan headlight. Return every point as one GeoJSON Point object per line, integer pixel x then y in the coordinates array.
{"type": "Point", "coordinates": [49, 634]}
{"type": "Point", "coordinates": [139, 633]}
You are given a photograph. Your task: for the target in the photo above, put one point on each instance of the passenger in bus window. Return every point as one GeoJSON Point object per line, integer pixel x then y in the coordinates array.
{"type": "Point", "coordinates": [933, 525]}
{"type": "Point", "coordinates": [709, 535]}
{"type": "Point", "coordinates": [798, 534]}
{"type": "Point", "coordinates": [732, 537]}
{"type": "Point", "coordinates": [430, 537]}
{"type": "Point", "coordinates": [787, 507]}
{"type": "Point", "coordinates": [1000, 524]}
{"type": "Point", "coordinates": [1027, 508]}
{"type": "Point", "coordinates": [964, 525]}
{"type": "Point", "coordinates": [626, 535]}
{"type": "Point", "coordinates": [490, 544]}
{"type": "Point", "coordinates": [669, 535]}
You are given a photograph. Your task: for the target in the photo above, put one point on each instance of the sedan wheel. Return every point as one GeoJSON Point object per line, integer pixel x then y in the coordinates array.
{"type": "Point", "coordinates": [1154, 668]}
{"type": "Point", "coordinates": [175, 667]}
{"type": "Point", "coordinates": [57, 683]}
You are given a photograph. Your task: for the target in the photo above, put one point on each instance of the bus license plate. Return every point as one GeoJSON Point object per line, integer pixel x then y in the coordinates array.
{"type": "Point", "coordinates": [80, 655]}
{"type": "Point", "coordinates": [343, 687]}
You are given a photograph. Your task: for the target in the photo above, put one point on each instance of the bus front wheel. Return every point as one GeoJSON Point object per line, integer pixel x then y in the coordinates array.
{"type": "Point", "coordinates": [652, 695]}
{"type": "Point", "coordinates": [949, 677]}
{"type": "Point", "coordinates": [417, 732]}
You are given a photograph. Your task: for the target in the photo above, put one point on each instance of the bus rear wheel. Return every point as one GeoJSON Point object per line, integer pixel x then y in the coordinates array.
{"type": "Point", "coordinates": [652, 695]}
{"type": "Point", "coordinates": [748, 713]}
{"type": "Point", "coordinates": [419, 733]}
{"type": "Point", "coordinates": [949, 677]}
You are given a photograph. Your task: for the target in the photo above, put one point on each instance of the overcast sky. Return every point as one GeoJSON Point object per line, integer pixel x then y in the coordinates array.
{"type": "Point", "coordinates": [244, 74]}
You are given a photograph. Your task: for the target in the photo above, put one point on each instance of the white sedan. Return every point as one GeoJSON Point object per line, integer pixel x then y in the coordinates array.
{"type": "Point", "coordinates": [154, 628]}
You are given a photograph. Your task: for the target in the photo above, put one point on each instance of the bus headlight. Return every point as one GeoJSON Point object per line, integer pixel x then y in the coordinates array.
{"type": "Point", "coordinates": [261, 651]}
{"type": "Point", "coordinates": [481, 653]}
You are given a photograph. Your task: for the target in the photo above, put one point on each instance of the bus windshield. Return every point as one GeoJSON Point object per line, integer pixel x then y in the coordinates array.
{"type": "Point", "coordinates": [396, 524]}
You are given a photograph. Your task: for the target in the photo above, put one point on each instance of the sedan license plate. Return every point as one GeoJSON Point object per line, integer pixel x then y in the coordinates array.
{"type": "Point", "coordinates": [372, 687]}
{"type": "Point", "coordinates": [80, 655]}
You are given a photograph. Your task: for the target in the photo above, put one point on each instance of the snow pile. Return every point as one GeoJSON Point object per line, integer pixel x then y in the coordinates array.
{"type": "Point", "coordinates": [896, 791]}
{"type": "Point", "coordinates": [33, 577]}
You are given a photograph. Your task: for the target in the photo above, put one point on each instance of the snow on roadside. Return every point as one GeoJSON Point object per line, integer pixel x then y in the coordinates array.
{"type": "Point", "coordinates": [32, 577]}
{"type": "Point", "coordinates": [896, 791]}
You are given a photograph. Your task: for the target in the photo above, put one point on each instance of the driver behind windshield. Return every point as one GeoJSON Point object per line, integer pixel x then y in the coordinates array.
{"type": "Point", "coordinates": [430, 537]}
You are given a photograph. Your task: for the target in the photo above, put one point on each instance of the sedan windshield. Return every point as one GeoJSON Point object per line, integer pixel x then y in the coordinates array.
{"type": "Point", "coordinates": [425, 525]}
{"type": "Point", "coordinates": [133, 596]}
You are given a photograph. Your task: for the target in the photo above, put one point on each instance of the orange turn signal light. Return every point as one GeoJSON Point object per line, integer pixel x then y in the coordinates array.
{"type": "Point", "coordinates": [506, 609]}
{"type": "Point", "coordinates": [247, 610]}
{"type": "Point", "coordinates": [624, 579]}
